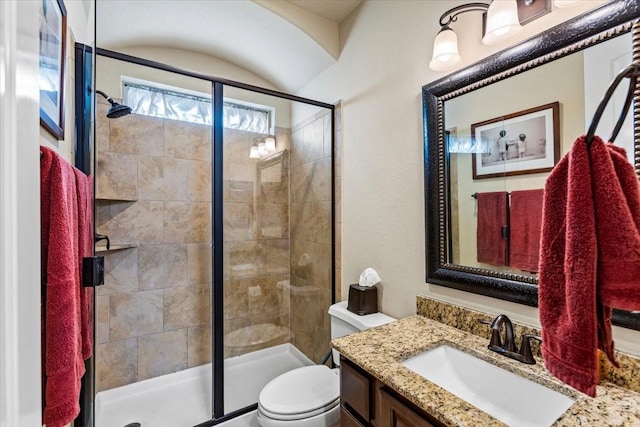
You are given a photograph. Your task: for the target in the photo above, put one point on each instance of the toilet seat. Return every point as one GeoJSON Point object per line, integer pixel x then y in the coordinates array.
{"type": "Point", "coordinates": [301, 393]}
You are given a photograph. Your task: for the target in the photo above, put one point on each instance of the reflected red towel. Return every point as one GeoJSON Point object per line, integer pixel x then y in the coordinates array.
{"type": "Point", "coordinates": [492, 216]}
{"type": "Point", "coordinates": [84, 196]}
{"type": "Point", "coordinates": [525, 222]}
{"type": "Point", "coordinates": [589, 258]}
{"type": "Point", "coordinates": [62, 360]}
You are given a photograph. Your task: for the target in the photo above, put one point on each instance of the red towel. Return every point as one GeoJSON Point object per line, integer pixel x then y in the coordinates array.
{"type": "Point", "coordinates": [62, 346]}
{"type": "Point", "coordinates": [589, 258]}
{"type": "Point", "coordinates": [525, 222]}
{"type": "Point", "coordinates": [492, 217]}
{"type": "Point", "coordinates": [84, 196]}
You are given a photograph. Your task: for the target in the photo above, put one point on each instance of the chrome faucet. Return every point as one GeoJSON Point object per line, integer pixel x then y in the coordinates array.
{"type": "Point", "coordinates": [508, 349]}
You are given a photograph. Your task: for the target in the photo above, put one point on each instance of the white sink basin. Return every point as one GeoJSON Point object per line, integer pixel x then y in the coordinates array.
{"type": "Point", "coordinates": [506, 396]}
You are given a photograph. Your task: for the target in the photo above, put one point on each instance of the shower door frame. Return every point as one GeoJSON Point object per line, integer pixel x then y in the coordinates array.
{"type": "Point", "coordinates": [217, 286]}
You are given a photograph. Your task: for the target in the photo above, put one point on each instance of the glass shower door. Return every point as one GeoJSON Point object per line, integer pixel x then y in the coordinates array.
{"type": "Point", "coordinates": [275, 241]}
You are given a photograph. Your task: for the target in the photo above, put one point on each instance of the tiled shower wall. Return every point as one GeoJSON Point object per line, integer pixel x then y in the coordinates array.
{"type": "Point", "coordinates": [310, 294]}
{"type": "Point", "coordinates": [154, 191]}
{"type": "Point", "coordinates": [256, 247]}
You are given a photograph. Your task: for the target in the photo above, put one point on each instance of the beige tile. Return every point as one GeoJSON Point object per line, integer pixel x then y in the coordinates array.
{"type": "Point", "coordinates": [337, 201]}
{"type": "Point", "coordinates": [326, 135]}
{"type": "Point", "coordinates": [275, 256]}
{"type": "Point", "coordinates": [187, 222]}
{"type": "Point", "coordinates": [244, 171]}
{"type": "Point", "coordinates": [338, 245]}
{"type": "Point", "coordinates": [161, 354]}
{"type": "Point", "coordinates": [337, 154]}
{"type": "Point", "coordinates": [238, 191]}
{"type": "Point", "coordinates": [310, 148]}
{"type": "Point", "coordinates": [199, 181]}
{"type": "Point", "coordinates": [102, 127]}
{"type": "Point", "coordinates": [283, 140]}
{"type": "Point", "coordinates": [199, 346]}
{"type": "Point", "coordinates": [139, 222]}
{"type": "Point", "coordinates": [102, 217]}
{"type": "Point", "coordinates": [236, 299]}
{"type": "Point", "coordinates": [199, 263]}
{"type": "Point", "coordinates": [236, 145]}
{"type": "Point", "coordinates": [136, 134]}
{"type": "Point", "coordinates": [135, 314]}
{"type": "Point", "coordinates": [187, 306]}
{"type": "Point", "coordinates": [120, 272]}
{"type": "Point", "coordinates": [116, 364]}
{"type": "Point", "coordinates": [264, 296]}
{"type": "Point", "coordinates": [116, 176]}
{"type": "Point", "coordinates": [274, 192]}
{"type": "Point", "coordinates": [162, 266]}
{"type": "Point", "coordinates": [311, 222]}
{"type": "Point", "coordinates": [272, 221]}
{"type": "Point", "coordinates": [185, 140]}
{"type": "Point", "coordinates": [162, 178]}
{"type": "Point", "coordinates": [102, 319]}
{"type": "Point", "coordinates": [311, 182]}
{"type": "Point", "coordinates": [238, 222]}
{"type": "Point", "coordinates": [311, 262]}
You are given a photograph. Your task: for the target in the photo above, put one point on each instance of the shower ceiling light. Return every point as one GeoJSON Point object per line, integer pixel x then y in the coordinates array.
{"type": "Point", "coordinates": [501, 23]}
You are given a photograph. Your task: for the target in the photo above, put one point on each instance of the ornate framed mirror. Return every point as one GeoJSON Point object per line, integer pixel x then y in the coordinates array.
{"type": "Point", "coordinates": [562, 66]}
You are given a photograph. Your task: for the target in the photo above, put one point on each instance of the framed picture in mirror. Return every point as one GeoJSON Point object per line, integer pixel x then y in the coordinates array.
{"type": "Point", "coordinates": [519, 143]}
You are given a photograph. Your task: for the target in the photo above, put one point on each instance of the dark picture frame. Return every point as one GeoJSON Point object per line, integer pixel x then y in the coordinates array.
{"type": "Point", "coordinates": [52, 62]}
{"type": "Point", "coordinates": [520, 143]}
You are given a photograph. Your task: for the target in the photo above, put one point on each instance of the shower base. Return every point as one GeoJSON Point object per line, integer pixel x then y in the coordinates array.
{"type": "Point", "coordinates": [183, 399]}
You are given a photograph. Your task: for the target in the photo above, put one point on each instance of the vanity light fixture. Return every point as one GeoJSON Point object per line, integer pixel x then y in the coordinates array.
{"type": "Point", "coordinates": [501, 22]}
{"type": "Point", "coordinates": [262, 146]}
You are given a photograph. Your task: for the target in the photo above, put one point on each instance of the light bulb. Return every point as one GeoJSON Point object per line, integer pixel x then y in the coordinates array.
{"type": "Point", "coordinates": [445, 50]}
{"type": "Point", "coordinates": [270, 145]}
{"type": "Point", "coordinates": [502, 21]}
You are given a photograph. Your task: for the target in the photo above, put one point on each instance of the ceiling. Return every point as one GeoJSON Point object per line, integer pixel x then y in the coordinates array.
{"type": "Point", "coordinates": [242, 32]}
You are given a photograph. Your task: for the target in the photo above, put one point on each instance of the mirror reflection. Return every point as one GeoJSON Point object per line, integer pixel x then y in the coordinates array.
{"type": "Point", "coordinates": [502, 141]}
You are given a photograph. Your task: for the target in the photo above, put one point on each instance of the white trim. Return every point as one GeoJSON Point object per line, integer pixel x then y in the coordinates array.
{"type": "Point", "coordinates": [20, 401]}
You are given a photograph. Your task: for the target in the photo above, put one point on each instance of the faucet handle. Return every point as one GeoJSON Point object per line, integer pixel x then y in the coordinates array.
{"type": "Point", "coordinates": [496, 341]}
{"type": "Point", "coordinates": [525, 348]}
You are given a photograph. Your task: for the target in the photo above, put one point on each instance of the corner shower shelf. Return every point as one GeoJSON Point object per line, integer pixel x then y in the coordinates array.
{"type": "Point", "coordinates": [100, 249]}
{"type": "Point", "coordinates": [115, 199]}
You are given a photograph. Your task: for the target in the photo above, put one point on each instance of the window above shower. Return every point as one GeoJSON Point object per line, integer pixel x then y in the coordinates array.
{"type": "Point", "coordinates": [170, 102]}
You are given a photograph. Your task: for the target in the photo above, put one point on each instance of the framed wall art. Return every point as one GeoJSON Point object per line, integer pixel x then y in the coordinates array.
{"type": "Point", "coordinates": [53, 31]}
{"type": "Point", "coordinates": [519, 143]}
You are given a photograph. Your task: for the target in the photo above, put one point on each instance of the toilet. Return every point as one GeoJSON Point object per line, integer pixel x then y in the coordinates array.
{"type": "Point", "coordinates": [310, 396]}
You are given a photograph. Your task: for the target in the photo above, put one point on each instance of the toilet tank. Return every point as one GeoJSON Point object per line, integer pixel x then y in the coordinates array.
{"type": "Point", "coordinates": [344, 322]}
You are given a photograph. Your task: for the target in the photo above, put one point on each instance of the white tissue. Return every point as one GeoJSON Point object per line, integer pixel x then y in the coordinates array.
{"type": "Point", "coordinates": [369, 278]}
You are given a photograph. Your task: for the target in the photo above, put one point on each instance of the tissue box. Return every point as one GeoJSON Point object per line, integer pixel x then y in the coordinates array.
{"type": "Point", "coordinates": [362, 300]}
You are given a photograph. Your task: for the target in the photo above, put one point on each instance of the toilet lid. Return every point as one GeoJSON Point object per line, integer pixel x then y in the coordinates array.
{"type": "Point", "coordinates": [299, 392]}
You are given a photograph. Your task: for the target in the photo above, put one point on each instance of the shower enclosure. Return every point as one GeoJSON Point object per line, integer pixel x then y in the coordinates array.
{"type": "Point", "coordinates": [218, 199]}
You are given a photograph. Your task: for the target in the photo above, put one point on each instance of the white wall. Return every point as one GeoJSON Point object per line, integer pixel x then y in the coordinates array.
{"type": "Point", "coordinates": [379, 75]}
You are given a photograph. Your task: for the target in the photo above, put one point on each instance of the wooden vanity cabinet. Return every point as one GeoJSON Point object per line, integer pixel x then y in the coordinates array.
{"type": "Point", "coordinates": [367, 402]}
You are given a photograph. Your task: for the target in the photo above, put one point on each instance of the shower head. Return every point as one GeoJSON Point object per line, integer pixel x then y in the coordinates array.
{"type": "Point", "coordinates": [116, 110]}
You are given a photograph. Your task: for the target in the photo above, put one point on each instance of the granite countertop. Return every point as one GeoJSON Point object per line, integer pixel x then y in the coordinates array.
{"type": "Point", "coordinates": [380, 351]}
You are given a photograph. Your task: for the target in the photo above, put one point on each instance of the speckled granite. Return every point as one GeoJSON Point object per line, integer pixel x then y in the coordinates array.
{"type": "Point", "coordinates": [380, 351]}
{"type": "Point", "coordinates": [465, 319]}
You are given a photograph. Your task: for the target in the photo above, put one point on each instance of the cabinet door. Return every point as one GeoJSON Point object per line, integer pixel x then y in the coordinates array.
{"type": "Point", "coordinates": [355, 390]}
{"type": "Point", "coordinates": [394, 413]}
{"type": "Point", "coordinates": [348, 420]}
